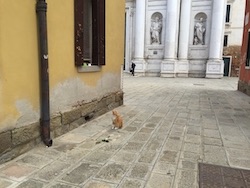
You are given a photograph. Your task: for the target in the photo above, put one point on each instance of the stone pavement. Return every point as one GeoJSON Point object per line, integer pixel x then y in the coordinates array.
{"type": "Point", "coordinates": [171, 124]}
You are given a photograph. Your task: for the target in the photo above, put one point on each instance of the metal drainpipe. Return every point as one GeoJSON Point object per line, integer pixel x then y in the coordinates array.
{"type": "Point", "coordinates": [41, 9]}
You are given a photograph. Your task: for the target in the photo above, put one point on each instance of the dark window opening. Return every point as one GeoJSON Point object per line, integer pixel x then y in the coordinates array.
{"type": "Point", "coordinates": [225, 40]}
{"type": "Point", "coordinates": [248, 51]}
{"type": "Point", "coordinates": [228, 13]}
{"type": "Point", "coordinates": [89, 32]}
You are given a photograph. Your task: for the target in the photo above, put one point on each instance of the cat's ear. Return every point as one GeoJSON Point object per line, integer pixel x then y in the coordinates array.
{"type": "Point", "coordinates": [114, 112]}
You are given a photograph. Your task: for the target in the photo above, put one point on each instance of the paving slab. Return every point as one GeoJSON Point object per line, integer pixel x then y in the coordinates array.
{"type": "Point", "coordinates": [81, 173]}
{"type": "Point", "coordinates": [113, 172]}
{"type": "Point", "coordinates": [132, 183]}
{"type": "Point", "coordinates": [159, 181]}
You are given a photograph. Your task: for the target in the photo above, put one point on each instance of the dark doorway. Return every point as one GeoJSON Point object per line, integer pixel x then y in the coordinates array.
{"type": "Point", "coordinates": [227, 61]}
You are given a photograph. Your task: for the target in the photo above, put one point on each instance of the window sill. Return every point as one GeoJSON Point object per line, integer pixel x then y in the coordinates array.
{"type": "Point", "coordinates": [92, 68]}
{"type": "Point", "coordinates": [247, 67]}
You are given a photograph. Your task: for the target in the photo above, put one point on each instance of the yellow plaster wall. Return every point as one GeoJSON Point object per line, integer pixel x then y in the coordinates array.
{"type": "Point", "coordinates": [19, 70]}
{"type": "Point", "coordinates": [115, 34]}
{"type": "Point", "coordinates": [18, 65]}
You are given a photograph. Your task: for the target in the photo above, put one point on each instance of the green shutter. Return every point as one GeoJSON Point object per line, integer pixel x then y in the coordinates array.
{"type": "Point", "coordinates": [78, 32]}
{"type": "Point", "coordinates": [98, 23]}
{"type": "Point", "coordinates": [101, 32]}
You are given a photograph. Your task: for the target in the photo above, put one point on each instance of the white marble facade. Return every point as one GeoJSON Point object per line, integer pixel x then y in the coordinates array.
{"type": "Point", "coordinates": [175, 38]}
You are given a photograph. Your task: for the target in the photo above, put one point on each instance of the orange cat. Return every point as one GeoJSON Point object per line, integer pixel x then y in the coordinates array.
{"type": "Point", "coordinates": [117, 121]}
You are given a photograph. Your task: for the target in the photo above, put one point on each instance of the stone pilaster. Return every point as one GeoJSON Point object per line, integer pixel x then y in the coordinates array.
{"type": "Point", "coordinates": [215, 64]}
{"type": "Point", "coordinates": [183, 63]}
{"type": "Point", "coordinates": [168, 65]}
{"type": "Point", "coordinates": [140, 36]}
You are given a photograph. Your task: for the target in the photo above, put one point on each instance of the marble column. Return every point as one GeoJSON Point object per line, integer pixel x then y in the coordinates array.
{"type": "Point", "coordinates": [215, 64]}
{"type": "Point", "coordinates": [183, 63]}
{"type": "Point", "coordinates": [140, 37]}
{"type": "Point", "coordinates": [168, 65]}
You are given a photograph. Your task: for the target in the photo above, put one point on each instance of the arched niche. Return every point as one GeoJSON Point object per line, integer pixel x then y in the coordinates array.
{"type": "Point", "coordinates": [156, 28]}
{"type": "Point", "coordinates": [200, 26]}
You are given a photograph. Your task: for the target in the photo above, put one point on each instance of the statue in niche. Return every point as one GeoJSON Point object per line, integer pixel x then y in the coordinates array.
{"type": "Point", "coordinates": [155, 30]}
{"type": "Point", "coordinates": [199, 32]}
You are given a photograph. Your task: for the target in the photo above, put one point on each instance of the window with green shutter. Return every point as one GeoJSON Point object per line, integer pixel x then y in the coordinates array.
{"type": "Point", "coordinates": [89, 32]}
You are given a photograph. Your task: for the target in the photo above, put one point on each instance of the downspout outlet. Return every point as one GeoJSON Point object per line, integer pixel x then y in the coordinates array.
{"type": "Point", "coordinates": [45, 132]}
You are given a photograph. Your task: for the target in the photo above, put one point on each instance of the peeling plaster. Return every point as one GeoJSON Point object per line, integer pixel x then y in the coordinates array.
{"type": "Point", "coordinates": [68, 93]}
{"type": "Point", "coordinates": [62, 98]}
{"type": "Point", "coordinates": [7, 124]}
{"type": "Point", "coordinates": [27, 113]}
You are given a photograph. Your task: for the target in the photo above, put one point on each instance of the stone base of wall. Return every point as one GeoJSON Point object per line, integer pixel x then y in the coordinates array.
{"type": "Point", "coordinates": [244, 87]}
{"type": "Point", "coordinates": [20, 140]}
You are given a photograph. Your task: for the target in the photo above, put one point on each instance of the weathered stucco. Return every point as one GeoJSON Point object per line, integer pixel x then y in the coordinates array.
{"type": "Point", "coordinates": [72, 91]}
{"type": "Point", "coordinates": [27, 114]}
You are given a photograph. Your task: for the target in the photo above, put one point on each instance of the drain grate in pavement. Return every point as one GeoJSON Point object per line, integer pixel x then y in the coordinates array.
{"type": "Point", "coordinates": [213, 176]}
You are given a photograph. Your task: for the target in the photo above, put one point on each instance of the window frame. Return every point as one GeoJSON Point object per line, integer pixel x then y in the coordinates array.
{"type": "Point", "coordinates": [225, 42]}
{"type": "Point", "coordinates": [228, 13]}
{"type": "Point", "coordinates": [98, 33]}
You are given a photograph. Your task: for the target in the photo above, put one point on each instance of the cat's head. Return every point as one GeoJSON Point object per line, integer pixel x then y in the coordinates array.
{"type": "Point", "coordinates": [115, 112]}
